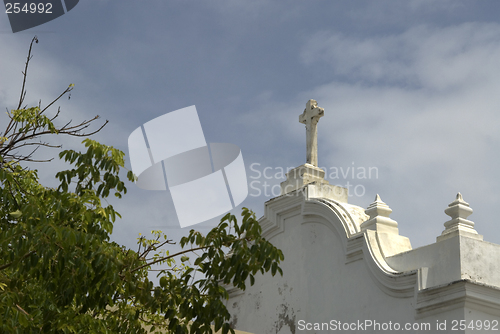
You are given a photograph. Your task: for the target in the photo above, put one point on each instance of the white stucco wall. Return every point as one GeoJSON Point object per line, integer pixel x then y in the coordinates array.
{"type": "Point", "coordinates": [334, 271]}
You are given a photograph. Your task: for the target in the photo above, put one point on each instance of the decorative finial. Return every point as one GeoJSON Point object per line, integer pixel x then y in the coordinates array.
{"type": "Point", "coordinates": [310, 117]}
{"type": "Point", "coordinates": [379, 218]}
{"type": "Point", "coordinates": [459, 210]}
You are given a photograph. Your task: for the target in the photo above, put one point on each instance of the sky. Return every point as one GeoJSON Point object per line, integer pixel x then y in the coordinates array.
{"type": "Point", "coordinates": [409, 88]}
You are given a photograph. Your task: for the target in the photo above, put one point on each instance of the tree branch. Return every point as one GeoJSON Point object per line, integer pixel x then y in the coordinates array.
{"type": "Point", "coordinates": [25, 73]}
{"type": "Point", "coordinates": [19, 132]}
{"type": "Point", "coordinates": [5, 266]}
{"type": "Point", "coordinates": [180, 253]}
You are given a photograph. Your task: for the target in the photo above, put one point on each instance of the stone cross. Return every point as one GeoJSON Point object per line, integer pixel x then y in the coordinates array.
{"type": "Point", "coordinates": [310, 118]}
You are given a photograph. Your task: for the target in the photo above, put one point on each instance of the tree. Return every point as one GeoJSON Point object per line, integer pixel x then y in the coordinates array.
{"type": "Point", "coordinates": [59, 271]}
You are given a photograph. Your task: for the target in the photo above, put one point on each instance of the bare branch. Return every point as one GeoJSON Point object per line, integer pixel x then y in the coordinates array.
{"type": "Point", "coordinates": [38, 144]}
{"type": "Point", "coordinates": [69, 89]}
{"type": "Point", "coordinates": [154, 247]}
{"type": "Point", "coordinates": [57, 114]}
{"type": "Point", "coordinates": [169, 257]}
{"type": "Point", "coordinates": [20, 133]}
{"type": "Point", "coordinates": [25, 73]}
{"type": "Point", "coordinates": [22, 310]}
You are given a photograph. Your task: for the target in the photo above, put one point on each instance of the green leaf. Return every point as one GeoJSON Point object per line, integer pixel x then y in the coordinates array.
{"type": "Point", "coordinates": [163, 282]}
{"type": "Point", "coordinates": [68, 274]}
{"type": "Point", "coordinates": [16, 214]}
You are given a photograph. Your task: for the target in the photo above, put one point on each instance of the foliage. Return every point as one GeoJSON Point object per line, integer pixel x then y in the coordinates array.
{"type": "Point", "coordinates": [29, 124]}
{"type": "Point", "coordinates": [59, 271]}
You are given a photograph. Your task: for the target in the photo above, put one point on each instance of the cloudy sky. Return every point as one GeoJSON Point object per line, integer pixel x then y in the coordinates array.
{"type": "Point", "coordinates": [410, 88]}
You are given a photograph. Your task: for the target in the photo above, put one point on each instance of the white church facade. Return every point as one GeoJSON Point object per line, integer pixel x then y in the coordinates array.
{"type": "Point", "coordinates": [347, 269]}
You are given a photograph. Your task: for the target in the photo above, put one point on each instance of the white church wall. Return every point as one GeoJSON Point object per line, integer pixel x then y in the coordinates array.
{"type": "Point", "coordinates": [348, 269]}
{"type": "Point", "coordinates": [317, 286]}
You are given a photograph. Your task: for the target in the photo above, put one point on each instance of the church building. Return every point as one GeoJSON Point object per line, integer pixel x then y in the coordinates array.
{"type": "Point", "coordinates": [347, 269]}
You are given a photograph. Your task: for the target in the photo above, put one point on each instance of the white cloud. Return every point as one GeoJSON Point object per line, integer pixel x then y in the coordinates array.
{"type": "Point", "coordinates": [432, 58]}
{"type": "Point", "coordinates": [456, 71]}
{"type": "Point", "coordinates": [421, 105]}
